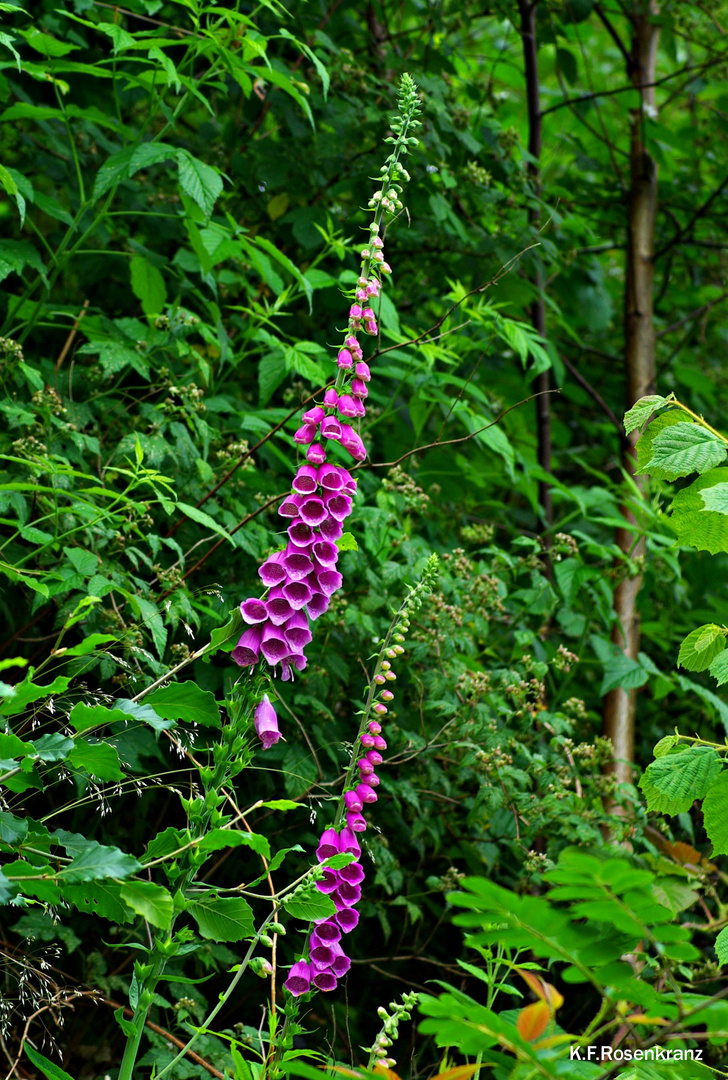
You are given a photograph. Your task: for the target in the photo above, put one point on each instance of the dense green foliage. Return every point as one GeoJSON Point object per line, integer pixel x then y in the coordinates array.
{"type": "Point", "coordinates": [187, 190]}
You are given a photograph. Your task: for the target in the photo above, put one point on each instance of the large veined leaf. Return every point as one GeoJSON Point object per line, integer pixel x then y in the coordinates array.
{"type": "Point", "coordinates": [153, 902]}
{"type": "Point", "coordinates": [223, 919]}
{"type": "Point", "coordinates": [98, 861]}
{"type": "Point", "coordinates": [673, 782]}
{"type": "Point", "coordinates": [99, 898]}
{"type": "Point", "coordinates": [640, 412]}
{"type": "Point", "coordinates": [719, 668]}
{"type": "Point", "coordinates": [646, 440]}
{"type": "Point", "coordinates": [186, 701]}
{"type": "Point", "coordinates": [721, 945]}
{"type": "Point", "coordinates": [700, 648]}
{"type": "Point", "coordinates": [97, 758]}
{"type": "Point", "coordinates": [685, 448]}
{"type": "Point", "coordinates": [310, 905]}
{"type": "Point", "coordinates": [715, 815]}
{"type": "Point", "coordinates": [695, 524]}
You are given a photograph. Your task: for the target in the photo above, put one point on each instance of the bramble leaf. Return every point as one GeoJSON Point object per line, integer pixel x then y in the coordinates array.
{"type": "Point", "coordinates": [641, 411]}
{"type": "Point", "coordinates": [223, 919]}
{"type": "Point", "coordinates": [715, 815]}
{"type": "Point", "coordinates": [186, 701]}
{"type": "Point", "coordinates": [701, 647]}
{"type": "Point", "coordinates": [672, 783]}
{"type": "Point", "coordinates": [685, 448]}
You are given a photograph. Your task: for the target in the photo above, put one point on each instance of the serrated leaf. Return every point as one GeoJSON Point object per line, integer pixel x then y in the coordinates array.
{"type": "Point", "coordinates": [715, 815]}
{"type": "Point", "coordinates": [721, 946]}
{"type": "Point", "coordinates": [694, 524]}
{"type": "Point", "coordinates": [152, 619]}
{"type": "Point", "coordinates": [715, 498]}
{"type": "Point", "coordinates": [684, 448]}
{"type": "Point", "coordinates": [701, 647]}
{"type": "Point", "coordinates": [53, 747]}
{"type": "Point", "coordinates": [186, 701]}
{"type": "Point", "coordinates": [148, 285]}
{"type": "Point", "coordinates": [641, 411]}
{"type": "Point", "coordinates": [223, 919]}
{"type": "Point", "coordinates": [665, 745]}
{"type": "Point", "coordinates": [201, 182]}
{"type": "Point", "coordinates": [98, 898]}
{"type": "Point", "coordinates": [12, 829]}
{"type": "Point", "coordinates": [719, 668]}
{"type": "Point", "coordinates": [310, 905]}
{"type": "Point", "coordinates": [96, 862]}
{"type": "Point", "coordinates": [153, 902]}
{"type": "Point", "coordinates": [672, 783]}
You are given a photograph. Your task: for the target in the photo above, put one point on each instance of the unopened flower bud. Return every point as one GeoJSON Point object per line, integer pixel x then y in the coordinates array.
{"type": "Point", "coordinates": [387, 695]}
{"type": "Point", "coordinates": [390, 676]}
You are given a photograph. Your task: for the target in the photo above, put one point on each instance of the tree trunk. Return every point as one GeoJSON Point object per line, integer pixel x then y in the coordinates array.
{"type": "Point", "coordinates": [527, 11]}
{"type": "Point", "coordinates": [639, 354]}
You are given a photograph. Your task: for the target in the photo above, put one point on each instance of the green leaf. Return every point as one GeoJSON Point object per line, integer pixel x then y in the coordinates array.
{"type": "Point", "coordinates": [719, 668]}
{"type": "Point", "coordinates": [98, 898]}
{"type": "Point", "coordinates": [169, 69]}
{"type": "Point", "coordinates": [203, 519]}
{"type": "Point", "coordinates": [684, 448]}
{"type": "Point", "coordinates": [665, 745]}
{"type": "Point", "coordinates": [148, 285]}
{"type": "Point", "coordinates": [283, 804]}
{"type": "Point", "coordinates": [15, 254]}
{"type": "Point", "coordinates": [9, 183]}
{"type": "Point", "coordinates": [96, 862]}
{"type": "Point", "coordinates": [41, 884]}
{"type": "Point", "coordinates": [694, 524]}
{"type": "Point", "coordinates": [225, 638]}
{"type": "Point", "coordinates": [715, 815]}
{"type": "Point", "coordinates": [144, 713]}
{"type": "Point", "coordinates": [271, 373]}
{"type": "Point", "coordinates": [153, 902]}
{"type": "Point", "coordinates": [347, 543]}
{"type": "Point", "coordinates": [223, 919]}
{"type": "Point", "coordinates": [12, 829]}
{"type": "Point", "coordinates": [186, 701]}
{"type": "Point", "coordinates": [672, 783]}
{"type": "Point", "coordinates": [721, 946]}
{"type": "Point", "coordinates": [641, 411]}
{"type": "Point", "coordinates": [701, 647]}
{"type": "Point", "coordinates": [310, 905]}
{"type": "Point", "coordinates": [45, 44]}
{"type": "Point", "coordinates": [152, 619]}
{"type": "Point", "coordinates": [53, 747]}
{"type": "Point", "coordinates": [82, 717]}
{"type": "Point", "coordinates": [218, 839]}
{"type": "Point", "coordinates": [201, 182]}
{"type": "Point", "coordinates": [48, 1068]}
{"type": "Point", "coordinates": [716, 498]}
{"type": "Point", "coordinates": [285, 262]}
{"type": "Point", "coordinates": [99, 759]}
{"type": "Point", "coordinates": [84, 562]}
{"type": "Point", "coordinates": [88, 645]}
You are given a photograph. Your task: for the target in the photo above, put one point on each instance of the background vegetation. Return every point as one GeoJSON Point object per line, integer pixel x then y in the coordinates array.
{"type": "Point", "coordinates": [185, 185]}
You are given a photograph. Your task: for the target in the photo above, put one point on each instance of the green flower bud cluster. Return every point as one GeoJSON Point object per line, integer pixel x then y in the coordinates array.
{"type": "Point", "coordinates": [379, 1050]}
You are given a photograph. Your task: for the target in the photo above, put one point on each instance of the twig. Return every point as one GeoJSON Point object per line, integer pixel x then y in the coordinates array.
{"type": "Point", "coordinates": [480, 288]}
{"type": "Point", "coordinates": [72, 335]}
{"type": "Point", "coordinates": [693, 315]}
{"type": "Point", "coordinates": [169, 1037]}
{"type": "Point", "coordinates": [696, 217]}
{"type": "Point", "coordinates": [248, 453]}
{"type": "Point", "coordinates": [463, 438]}
{"type": "Point", "coordinates": [594, 394]}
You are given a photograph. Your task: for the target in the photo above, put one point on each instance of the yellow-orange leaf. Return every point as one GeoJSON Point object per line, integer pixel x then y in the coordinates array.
{"type": "Point", "coordinates": [533, 1020]}
{"type": "Point", "coordinates": [381, 1070]}
{"type": "Point", "coordinates": [554, 1040]}
{"type": "Point", "coordinates": [458, 1072]}
{"type": "Point", "coordinates": [640, 1018]}
{"type": "Point", "coordinates": [542, 989]}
